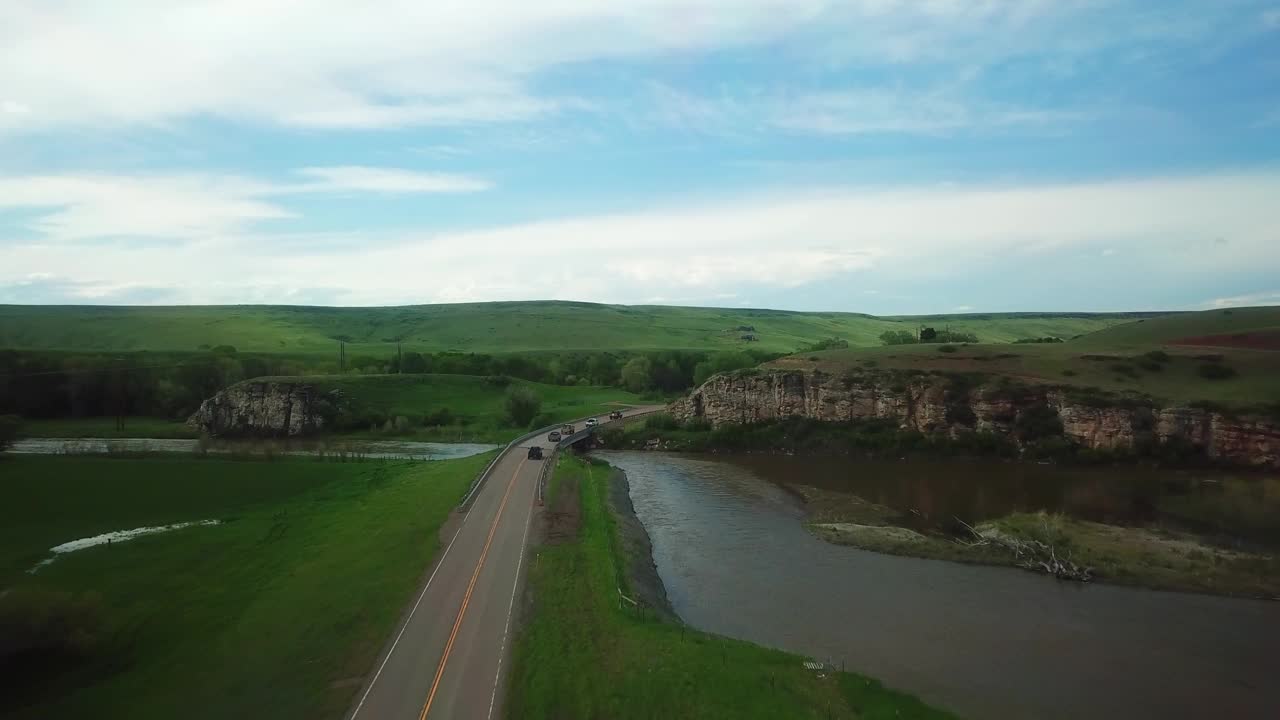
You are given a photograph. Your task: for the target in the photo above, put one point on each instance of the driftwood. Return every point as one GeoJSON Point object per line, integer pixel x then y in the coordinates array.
{"type": "Point", "coordinates": [1031, 555]}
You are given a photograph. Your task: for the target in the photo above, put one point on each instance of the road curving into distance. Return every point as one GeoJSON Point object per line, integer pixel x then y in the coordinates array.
{"type": "Point", "coordinates": [448, 655]}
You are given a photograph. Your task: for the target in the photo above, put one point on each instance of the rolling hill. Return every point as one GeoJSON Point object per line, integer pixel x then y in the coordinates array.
{"type": "Point", "coordinates": [490, 327]}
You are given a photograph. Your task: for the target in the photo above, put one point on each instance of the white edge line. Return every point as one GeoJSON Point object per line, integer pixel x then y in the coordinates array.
{"type": "Point", "coordinates": [497, 676]}
{"type": "Point", "coordinates": [409, 619]}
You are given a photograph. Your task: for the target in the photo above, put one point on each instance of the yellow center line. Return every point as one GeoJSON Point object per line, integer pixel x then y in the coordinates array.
{"type": "Point", "coordinates": [466, 599]}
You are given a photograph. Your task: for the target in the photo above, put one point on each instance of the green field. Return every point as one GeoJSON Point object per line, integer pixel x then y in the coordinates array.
{"type": "Point", "coordinates": [580, 656]}
{"type": "Point", "coordinates": [1112, 360]}
{"type": "Point", "coordinates": [502, 327]}
{"type": "Point", "coordinates": [475, 402]}
{"type": "Point", "coordinates": [105, 427]}
{"type": "Point", "coordinates": [280, 610]}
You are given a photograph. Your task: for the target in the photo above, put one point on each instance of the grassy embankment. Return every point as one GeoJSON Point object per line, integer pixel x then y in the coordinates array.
{"type": "Point", "coordinates": [280, 609]}
{"type": "Point", "coordinates": [581, 656]}
{"type": "Point", "coordinates": [502, 327]}
{"type": "Point", "coordinates": [105, 427]}
{"type": "Point", "coordinates": [1242, 344]}
{"type": "Point", "coordinates": [1155, 557]}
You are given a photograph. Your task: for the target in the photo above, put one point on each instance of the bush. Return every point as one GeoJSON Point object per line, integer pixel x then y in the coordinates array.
{"type": "Point", "coordinates": [441, 416]}
{"type": "Point", "coordinates": [1214, 371]}
{"type": "Point", "coordinates": [541, 420]}
{"type": "Point", "coordinates": [522, 405]}
{"type": "Point", "coordinates": [947, 348]}
{"type": "Point", "coordinates": [1069, 373]}
{"type": "Point", "coordinates": [48, 627]}
{"type": "Point", "coordinates": [661, 421]}
{"type": "Point", "coordinates": [10, 426]}
{"type": "Point", "coordinates": [698, 425]}
{"type": "Point", "coordinates": [498, 380]}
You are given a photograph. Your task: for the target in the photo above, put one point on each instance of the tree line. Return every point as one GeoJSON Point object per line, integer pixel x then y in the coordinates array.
{"type": "Point", "coordinates": [52, 385]}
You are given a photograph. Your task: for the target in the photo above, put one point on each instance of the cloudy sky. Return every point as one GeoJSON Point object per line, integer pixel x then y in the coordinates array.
{"type": "Point", "coordinates": [882, 156]}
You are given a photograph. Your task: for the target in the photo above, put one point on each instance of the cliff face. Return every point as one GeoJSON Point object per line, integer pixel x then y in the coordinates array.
{"type": "Point", "coordinates": [934, 404]}
{"type": "Point", "coordinates": [271, 409]}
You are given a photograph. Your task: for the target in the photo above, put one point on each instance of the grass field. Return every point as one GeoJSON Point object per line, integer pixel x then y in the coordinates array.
{"type": "Point", "coordinates": [105, 427]}
{"type": "Point", "coordinates": [280, 610]}
{"type": "Point", "coordinates": [580, 656]}
{"type": "Point", "coordinates": [485, 327]}
{"type": "Point", "coordinates": [1112, 360]}
{"type": "Point", "coordinates": [476, 402]}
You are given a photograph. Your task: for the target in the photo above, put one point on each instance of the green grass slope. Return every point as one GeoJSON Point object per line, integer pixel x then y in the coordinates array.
{"type": "Point", "coordinates": [279, 611]}
{"type": "Point", "coordinates": [1114, 360]}
{"type": "Point", "coordinates": [498, 327]}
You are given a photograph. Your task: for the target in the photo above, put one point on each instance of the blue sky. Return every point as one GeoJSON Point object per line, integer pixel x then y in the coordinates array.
{"type": "Point", "coordinates": [882, 156]}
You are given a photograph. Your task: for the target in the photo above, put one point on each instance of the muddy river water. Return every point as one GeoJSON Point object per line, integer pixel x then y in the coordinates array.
{"type": "Point", "coordinates": [730, 545]}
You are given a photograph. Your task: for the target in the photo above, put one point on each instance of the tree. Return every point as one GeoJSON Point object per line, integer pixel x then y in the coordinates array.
{"type": "Point", "coordinates": [413, 363]}
{"type": "Point", "coordinates": [928, 335]}
{"type": "Point", "coordinates": [522, 405]}
{"type": "Point", "coordinates": [897, 337]}
{"type": "Point", "coordinates": [635, 374]}
{"type": "Point", "coordinates": [9, 427]}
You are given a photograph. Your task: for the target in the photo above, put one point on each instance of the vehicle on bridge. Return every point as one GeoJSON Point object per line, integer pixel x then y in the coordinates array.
{"type": "Point", "coordinates": [553, 436]}
{"type": "Point", "coordinates": [535, 452]}
{"type": "Point", "coordinates": [615, 415]}
{"type": "Point", "coordinates": [591, 422]}
{"type": "Point", "coordinates": [568, 429]}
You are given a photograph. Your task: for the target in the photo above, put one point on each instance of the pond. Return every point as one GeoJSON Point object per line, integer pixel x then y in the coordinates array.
{"type": "Point", "coordinates": [391, 449]}
{"type": "Point", "coordinates": [986, 642]}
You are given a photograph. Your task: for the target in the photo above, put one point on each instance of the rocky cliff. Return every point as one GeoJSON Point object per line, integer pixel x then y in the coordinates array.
{"type": "Point", "coordinates": [951, 405]}
{"type": "Point", "coordinates": [266, 408]}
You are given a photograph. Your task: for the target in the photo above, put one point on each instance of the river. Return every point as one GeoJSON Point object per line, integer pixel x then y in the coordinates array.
{"type": "Point", "coordinates": [391, 449]}
{"type": "Point", "coordinates": [986, 642]}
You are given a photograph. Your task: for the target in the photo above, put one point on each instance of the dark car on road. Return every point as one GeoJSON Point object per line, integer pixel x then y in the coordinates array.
{"type": "Point", "coordinates": [535, 452]}
{"type": "Point", "coordinates": [615, 415]}
{"type": "Point", "coordinates": [553, 436]}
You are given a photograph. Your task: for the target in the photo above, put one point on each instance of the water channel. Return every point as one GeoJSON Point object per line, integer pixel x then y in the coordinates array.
{"type": "Point", "coordinates": [986, 642]}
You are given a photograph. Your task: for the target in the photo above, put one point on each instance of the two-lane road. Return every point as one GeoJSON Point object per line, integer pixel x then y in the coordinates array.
{"type": "Point", "coordinates": [448, 656]}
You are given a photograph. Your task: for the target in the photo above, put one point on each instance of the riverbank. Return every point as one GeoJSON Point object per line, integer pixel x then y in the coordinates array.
{"type": "Point", "coordinates": [1158, 558]}
{"type": "Point", "coordinates": [587, 651]}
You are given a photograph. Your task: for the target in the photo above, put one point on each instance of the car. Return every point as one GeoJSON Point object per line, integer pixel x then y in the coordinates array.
{"type": "Point", "coordinates": [591, 422]}
{"type": "Point", "coordinates": [615, 415]}
{"type": "Point", "coordinates": [553, 436]}
{"type": "Point", "coordinates": [535, 452]}
{"type": "Point", "coordinates": [568, 430]}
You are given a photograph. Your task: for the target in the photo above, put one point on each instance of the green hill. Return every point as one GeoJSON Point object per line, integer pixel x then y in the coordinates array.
{"type": "Point", "coordinates": [1213, 357]}
{"type": "Point", "coordinates": [489, 327]}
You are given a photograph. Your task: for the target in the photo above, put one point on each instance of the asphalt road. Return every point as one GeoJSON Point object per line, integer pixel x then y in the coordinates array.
{"type": "Point", "coordinates": [448, 656]}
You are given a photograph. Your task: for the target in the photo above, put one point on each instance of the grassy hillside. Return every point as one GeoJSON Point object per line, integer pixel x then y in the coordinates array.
{"type": "Point", "coordinates": [1145, 357]}
{"type": "Point", "coordinates": [284, 605]}
{"type": "Point", "coordinates": [485, 327]}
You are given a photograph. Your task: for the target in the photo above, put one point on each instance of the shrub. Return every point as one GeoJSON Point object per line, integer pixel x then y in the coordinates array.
{"type": "Point", "coordinates": [947, 348]}
{"type": "Point", "coordinates": [698, 425]}
{"type": "Point", "coordinates": [1069, 373]}
{"type": "Point", "coordinates": [541, 420]}
{"type": "Point", "coordinates": [10, 426]}
{"type": "Point", "coordinates": [1159, 356]}
{"type": "Point", "coordinates": [498, 380]}
{"type": "Point", "coordinates": [44, 626]}
{"type": "Point", "coordinates": [1124, 369]}
{"type": "Point", "coordinates": [1214, 371]}
{"type": "Point", "coordinates": [661, 421]}
{"type": "Point", "coordinates": [522, 405]}
{"type": "Point", "coordinates": [438, 417]}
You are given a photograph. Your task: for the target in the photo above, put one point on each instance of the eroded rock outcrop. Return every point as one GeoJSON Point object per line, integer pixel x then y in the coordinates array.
{"type": "Point", "coordinates": [950, 405]}
{"type": "Point", "coordinates": [266, 409]}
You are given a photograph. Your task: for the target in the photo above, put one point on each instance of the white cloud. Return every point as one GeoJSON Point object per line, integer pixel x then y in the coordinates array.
{"type": "Point", "coordinates": [744, 245]}
{"type": "Point", "coordinates": [1261, 298]}
{"type": "Point", "coordinates": [388, 180]}
{"type": "Point", "coordinates": [1271, 18]}
{"type": "Point", "coordinates": [854, 112]}
{"type": "Point", "coordinates": [336, 64]}
{"type": "Point", "coordinates": [193, 207]}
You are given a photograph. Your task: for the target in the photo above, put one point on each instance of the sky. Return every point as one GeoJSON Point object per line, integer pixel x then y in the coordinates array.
{"type": "Point", "coordinates": [879, 156]}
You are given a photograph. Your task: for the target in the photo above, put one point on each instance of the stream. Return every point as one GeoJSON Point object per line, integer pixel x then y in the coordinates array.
{"type": "Point", "coordinates": [986, 642]}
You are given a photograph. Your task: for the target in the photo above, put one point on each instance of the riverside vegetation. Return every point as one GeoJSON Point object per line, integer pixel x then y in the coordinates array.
{"type": "Point", "coordinates": [583, 653]}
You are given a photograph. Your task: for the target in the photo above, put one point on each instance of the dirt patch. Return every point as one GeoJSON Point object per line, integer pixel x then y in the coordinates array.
{"type": "Point", "coordinates": [867, 533]}
{"type": "Point", "coordinates": [637, 551]}
{"type": "Point", "coordinates": [563, 517]}
{"type": "Point", "coordinates": [1256, 340]}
